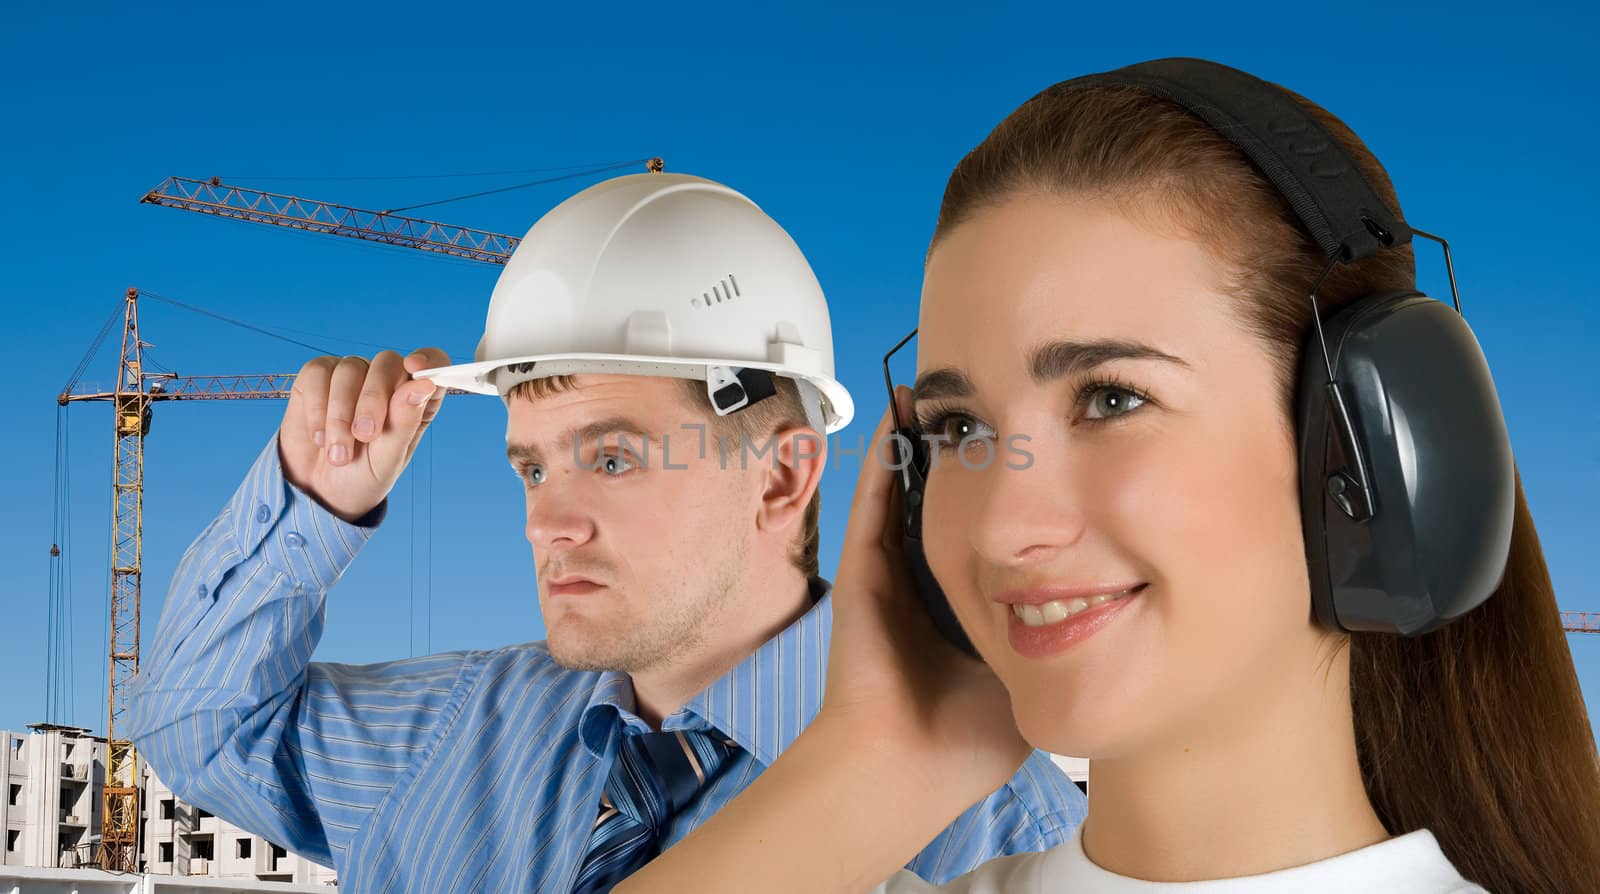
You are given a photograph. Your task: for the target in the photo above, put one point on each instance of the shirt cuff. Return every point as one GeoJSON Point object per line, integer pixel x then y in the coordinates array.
{"type": "Point", "coordinates": [292, 531]}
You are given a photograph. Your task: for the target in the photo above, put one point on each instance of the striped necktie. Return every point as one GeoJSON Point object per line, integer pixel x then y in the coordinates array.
{"type": "Point", "coordinates": [655, 776]}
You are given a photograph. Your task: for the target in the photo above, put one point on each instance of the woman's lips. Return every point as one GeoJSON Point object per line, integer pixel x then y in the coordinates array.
{"type": "Point", "coordinates": [1040, 627]}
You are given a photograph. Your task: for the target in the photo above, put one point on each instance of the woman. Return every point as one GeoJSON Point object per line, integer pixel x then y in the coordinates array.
{"type": "Point", "coordinates": [1230, 736]}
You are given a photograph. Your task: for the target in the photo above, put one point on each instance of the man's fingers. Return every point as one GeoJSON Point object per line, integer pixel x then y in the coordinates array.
{"type": "Point", "coordinates": [348, 378]}
{"type": "Point", "coordinates": [428, 358]}
{"type": "Point", "coordinates": [372, 408]}
{"type": "Point", "coordinates": [407, 407]}
{"type": "Point", "coordinates": [308, 399]}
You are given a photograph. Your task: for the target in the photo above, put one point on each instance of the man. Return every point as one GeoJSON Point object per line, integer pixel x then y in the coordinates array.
{"type": "Point", "coordinates": [665, 356]}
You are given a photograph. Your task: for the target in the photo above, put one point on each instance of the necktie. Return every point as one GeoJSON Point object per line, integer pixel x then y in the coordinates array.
{"type": "Point", "coordinates": [655, 775]}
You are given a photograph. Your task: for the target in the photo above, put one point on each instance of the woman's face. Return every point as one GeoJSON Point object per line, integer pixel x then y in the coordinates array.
{"type": "Point", "coordinates": [1158, 509]}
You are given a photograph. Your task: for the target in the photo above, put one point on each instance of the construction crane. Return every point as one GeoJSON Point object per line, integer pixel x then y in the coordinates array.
{"type": "Point", "coordinates": [135, 392]}
{"type": "Point", "coordinates": [132, 398]}
{"type": "Point", "coordinates": [1580, 622]}
{"type": "Point", "coordinates": [385, 227]}
{"type": "Point", "coordinates": [214, 197]}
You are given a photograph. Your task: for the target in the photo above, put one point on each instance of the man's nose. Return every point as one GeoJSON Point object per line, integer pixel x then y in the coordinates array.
{"type": "Point", "coordinates": [558, 514]}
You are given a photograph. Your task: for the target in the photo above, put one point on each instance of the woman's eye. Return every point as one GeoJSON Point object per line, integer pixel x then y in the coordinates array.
{"type": "Point", "coordinates": [615, 464]}
{"type": "Point", "coordinates": [952, 430]}
{"type": "Point", "coordinates": [1109, 401]}
{"type": "Point", "coordinates": [960, 428]}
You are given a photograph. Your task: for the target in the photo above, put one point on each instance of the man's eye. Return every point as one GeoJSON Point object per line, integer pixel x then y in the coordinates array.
{"type": "Point", "coordinates": [533, 475]}
{"type": "Point", "coordinates": [615, 464]}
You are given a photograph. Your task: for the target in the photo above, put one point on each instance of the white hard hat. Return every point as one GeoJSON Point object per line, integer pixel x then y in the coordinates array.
{"type": "Point", "coordinates": [661, 275]}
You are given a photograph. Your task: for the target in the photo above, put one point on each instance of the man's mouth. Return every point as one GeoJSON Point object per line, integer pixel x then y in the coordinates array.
{"type": "Point", "coordinates": [572, 585]}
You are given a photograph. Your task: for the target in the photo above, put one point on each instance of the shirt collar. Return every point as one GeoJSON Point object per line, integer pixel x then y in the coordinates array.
{"type": "Point", "coordinates": [762, 703]}
{"type": "Point", "coordinates": [610, 705]}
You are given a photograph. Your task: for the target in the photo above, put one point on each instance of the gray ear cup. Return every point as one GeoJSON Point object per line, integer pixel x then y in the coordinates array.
{"type": "Point", "coordinates": [1427, 539]}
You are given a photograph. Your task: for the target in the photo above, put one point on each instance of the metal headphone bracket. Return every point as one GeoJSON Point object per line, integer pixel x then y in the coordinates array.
{"type": "Point", "coordinates": [909, 473]}
{"type": "Point", "coordinates": [1350, 487]}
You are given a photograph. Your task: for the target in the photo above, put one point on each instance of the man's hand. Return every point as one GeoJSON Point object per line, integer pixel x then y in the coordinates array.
{"type": "Point", "coordinates": [352, 426]}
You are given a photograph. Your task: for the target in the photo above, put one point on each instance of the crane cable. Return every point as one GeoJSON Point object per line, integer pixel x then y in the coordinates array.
{"type": "Point", "coordinates": [240, 323]}
{"type": "Point", "coordinates": [261, 330]}
{"type": "Point", "coordinates": [59, 624]}
{"type": "Point", "coordinates": [354, 179]}
{"type": "Point", "coordinates": [490, 192]}
{"type": "Point", "coordinates": [94, 348]}
{"type": "Point", "coordinates": [427, 552]}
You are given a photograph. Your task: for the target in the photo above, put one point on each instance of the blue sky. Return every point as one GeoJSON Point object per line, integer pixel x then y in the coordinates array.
{"type": "Point", "coordinates": [841, 122]}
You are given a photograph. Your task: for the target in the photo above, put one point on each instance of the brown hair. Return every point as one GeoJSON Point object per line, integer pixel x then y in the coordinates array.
{"type": "Point", "coordinates": [1476, 731]}
{"type": "Point", "coordinates": [783, 410]}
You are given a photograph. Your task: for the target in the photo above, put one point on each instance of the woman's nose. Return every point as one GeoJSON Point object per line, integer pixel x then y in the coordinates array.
{"type": "Point", "coordinates": [1025, 515]}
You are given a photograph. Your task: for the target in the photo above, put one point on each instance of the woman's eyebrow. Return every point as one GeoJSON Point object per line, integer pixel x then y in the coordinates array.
{"type": "Point", "coordinates": [1051, 360]}
{"type": "Point", "coordinates": [943, 382]}
{"type": "Point", "coordinates": [1065, 357]}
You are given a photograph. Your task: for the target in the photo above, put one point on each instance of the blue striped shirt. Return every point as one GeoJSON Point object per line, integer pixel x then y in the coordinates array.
{"type": "Point", "coordinates": [464, 771]}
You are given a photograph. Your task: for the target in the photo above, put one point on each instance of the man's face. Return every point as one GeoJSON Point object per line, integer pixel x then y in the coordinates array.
{"type": "Point", "coordinates": [635, 559]}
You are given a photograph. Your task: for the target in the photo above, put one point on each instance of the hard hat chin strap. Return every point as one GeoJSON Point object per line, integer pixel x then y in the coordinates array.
{"type": "Point", "coordinates": [732, 388]}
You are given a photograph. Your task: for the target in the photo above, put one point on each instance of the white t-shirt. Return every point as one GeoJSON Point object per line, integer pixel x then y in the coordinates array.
{"type": "Point", "coordinates": [1407, 864]}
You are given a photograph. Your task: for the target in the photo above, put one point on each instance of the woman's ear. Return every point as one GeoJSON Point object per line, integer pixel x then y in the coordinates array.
{"type": "Point", "coordinates": [799, 456]}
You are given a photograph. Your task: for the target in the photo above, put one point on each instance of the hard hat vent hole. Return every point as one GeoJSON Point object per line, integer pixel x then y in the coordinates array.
{"type": "Point", "coordinates": [725, 290]}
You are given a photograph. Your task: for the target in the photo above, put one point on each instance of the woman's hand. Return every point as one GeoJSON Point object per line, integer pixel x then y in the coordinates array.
{"type": "Point", "coordinates": [911, 733]}
{"type": "Point", "coordinates": [891, 677]}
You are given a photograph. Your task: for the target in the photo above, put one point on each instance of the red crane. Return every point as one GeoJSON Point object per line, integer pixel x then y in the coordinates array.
{"type": "Point", "coordinates": [216, 198]}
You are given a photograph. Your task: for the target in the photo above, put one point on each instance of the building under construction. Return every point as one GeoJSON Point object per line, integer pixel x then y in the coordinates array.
{"type": "Point", "coordinates": [55, 778]}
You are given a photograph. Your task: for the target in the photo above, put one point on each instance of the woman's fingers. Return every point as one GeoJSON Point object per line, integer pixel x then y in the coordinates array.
{"type": "Point", "coordinates": [869, 508]}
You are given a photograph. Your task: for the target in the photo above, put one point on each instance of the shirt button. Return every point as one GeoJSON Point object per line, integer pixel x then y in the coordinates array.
{"type": "Point", "coordinates": [201, 591]}
{"type": "Point", "coordinates": [293, 538]}
{"type": "Point", "coordinates": [263, 514]}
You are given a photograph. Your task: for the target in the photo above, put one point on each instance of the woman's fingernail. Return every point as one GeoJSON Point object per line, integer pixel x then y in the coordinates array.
{"type": "Point", "coordinates": [339, 454]}
{"type": "Point", "coordinates": [363, 427]}
{"type": "Point", "coordinates": [316, 438]}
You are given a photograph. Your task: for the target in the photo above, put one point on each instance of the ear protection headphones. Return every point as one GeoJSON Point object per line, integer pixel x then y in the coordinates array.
{"type": "Point", "coordinates": [1407, 484]}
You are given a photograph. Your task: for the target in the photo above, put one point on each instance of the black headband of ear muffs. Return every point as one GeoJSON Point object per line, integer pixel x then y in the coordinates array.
{"type": "Point", "coordinates": [1309, 167]}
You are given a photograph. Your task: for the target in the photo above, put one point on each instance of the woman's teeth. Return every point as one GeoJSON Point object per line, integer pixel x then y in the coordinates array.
{"type": "Point", "coordinates": [1061, 609]}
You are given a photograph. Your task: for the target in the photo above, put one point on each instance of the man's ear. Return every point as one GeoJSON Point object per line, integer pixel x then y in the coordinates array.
{"type": "Point", "coordinates": [800, 455]}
